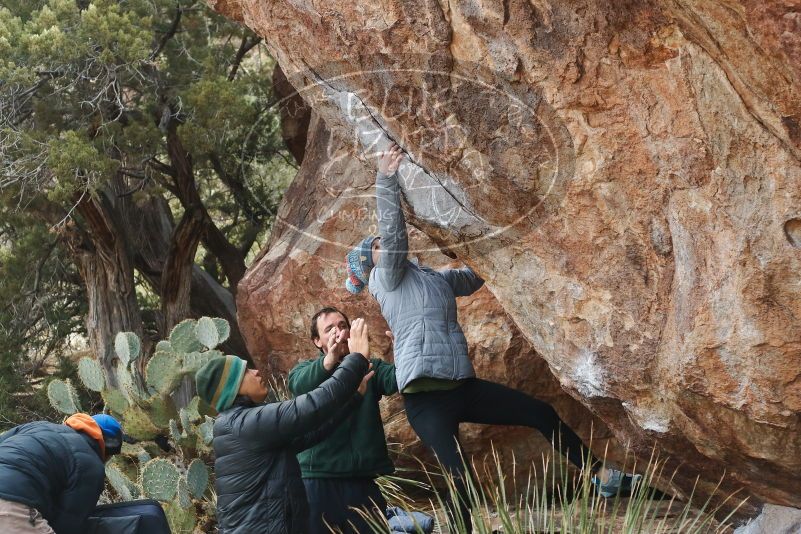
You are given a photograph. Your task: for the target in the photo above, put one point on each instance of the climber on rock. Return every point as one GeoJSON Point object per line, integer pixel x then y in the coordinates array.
{"type": "Point", "coordinates": [51, 475]}
{"type": "Point", "coordinates": [258, 479]}
{"type": "Point", "coordinates": [339, 472]}
{"type": "Point", "coordinates": [433, 371]}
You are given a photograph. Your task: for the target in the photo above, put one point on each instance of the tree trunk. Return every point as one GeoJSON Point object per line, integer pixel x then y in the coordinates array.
{"type": "Point", "coordinates": [153, 229]}
{"type": "Point", "coordinates": [100, 252]}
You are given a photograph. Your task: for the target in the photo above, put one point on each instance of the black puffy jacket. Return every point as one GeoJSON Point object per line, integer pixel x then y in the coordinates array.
{"type": "Point", "coordinates": [52, 468]}
{"type": "Point", "coordinates": [258, 484]}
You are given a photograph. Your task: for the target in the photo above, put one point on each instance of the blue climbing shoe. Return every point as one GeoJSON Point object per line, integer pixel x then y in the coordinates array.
{"type": "Point", "coordinates": [618, 483]}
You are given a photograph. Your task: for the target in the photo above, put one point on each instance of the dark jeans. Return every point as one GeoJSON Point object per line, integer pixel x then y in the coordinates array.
{"type": "Point", "coordinates": [435, 417]}
{"type": "Point", "coordinates": [331, 499]}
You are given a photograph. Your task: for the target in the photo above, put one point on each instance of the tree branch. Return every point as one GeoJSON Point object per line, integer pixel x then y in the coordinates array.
{"type": "Point", "coordinates": [232, 261]}
{"type": "Point", "coordinates": [244, 48]}
{"type": "Point", "coordinates": [170, 33]}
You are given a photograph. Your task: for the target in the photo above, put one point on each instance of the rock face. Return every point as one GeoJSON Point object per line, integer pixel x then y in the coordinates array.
{"type": "Point", "coordinates": [625, 176]}
{"type": "Point", "coordinates": [302, 269]}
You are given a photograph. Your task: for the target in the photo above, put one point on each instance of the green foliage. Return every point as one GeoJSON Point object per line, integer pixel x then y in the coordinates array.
{"type": "Point", "coordinates": [88, 91]}
{"type": "Point", "coordinates": [42, 306]}
{"type": "Point", "coordinates": [554, 499]}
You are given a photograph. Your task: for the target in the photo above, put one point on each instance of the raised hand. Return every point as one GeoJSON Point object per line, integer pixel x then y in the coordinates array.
{"type": "Point", "coordinates": [389, 161]}
{"type": "Point", "coordinates": [363, 386]}
{"type": "Point", "coordinates": [358, 340]}
{"type": "Point", "coordinates": [336, 349]}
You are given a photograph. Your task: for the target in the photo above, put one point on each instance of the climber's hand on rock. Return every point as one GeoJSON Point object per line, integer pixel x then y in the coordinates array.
{"type": "Point", "coordinates": [389, 160]}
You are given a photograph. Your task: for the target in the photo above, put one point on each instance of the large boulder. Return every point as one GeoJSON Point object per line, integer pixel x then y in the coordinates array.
{"type": "Point", "coordinates": [302, 270]}
{"type": "Point", "coordinates": [624, 175]}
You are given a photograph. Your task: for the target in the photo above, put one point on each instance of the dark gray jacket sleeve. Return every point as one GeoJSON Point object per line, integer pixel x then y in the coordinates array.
{"type": "Point", "coordinates": [392, 228]}
{"type": "Point", "coordinates": [276, 425]}
{"type": "Point", "coordinates": [463, 281]}
{"type": "Point", "coordinates": [319, 434]}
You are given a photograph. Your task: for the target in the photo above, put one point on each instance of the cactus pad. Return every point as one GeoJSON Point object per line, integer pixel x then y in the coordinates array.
{"type": "Point", "coordinates": [181, 520]}
{"type": "Point", "coordinates": [163, 345]}
{"type": "Point", "coordinates": [223, 329]}
{"type": "Point", "coordinates": [197, 478]}
{"type": "Point", "coordinates": [161, 410]}
{"type": "Point", "coordinates": [159, 479]}
{"type": "Point", "coordinates": [136, 423]}
{"type": "Point", "coordinates": [205, 431]}
{"type": "Point", "coordinates": [183, 338]}
{"type": "Point", "coordinates": [175, 433]}
{"type": "Point", "coordinates": [128, 386]}
{"type": "Point", "coordinates": [185, 423]}
{"type": "Point", "coordinates": [63, 397]}
{"type": "Point", "coordinates": [124, 486]}
{"type": "Point", "coordinates": [206, 332]}
{"type": "Point", "coordinates": [184, 499]}
{"type": "Point", "coordinates": [115, 401]}
{"type": "Point", "coordinates": [193, 410]}
{"type": "Point", "coordinates": [127, 346]}
{"type": "Point", "coordinates": [163, 372]}
{"type": "Point", "coordinates": [193, 361]}
{"type": "Point", "coordinates": [91, 374]}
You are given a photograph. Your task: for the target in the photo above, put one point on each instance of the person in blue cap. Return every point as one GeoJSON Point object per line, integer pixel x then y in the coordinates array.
{"type": "Point", "coordinates": [51, 475]}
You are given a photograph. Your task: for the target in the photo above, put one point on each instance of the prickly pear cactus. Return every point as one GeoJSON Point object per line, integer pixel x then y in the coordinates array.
{"type": "Point", "coordinates": [181, 520]}
{"type": "Point", "coordinates": [127, 346]}
{"type": "Point", "coordinates": [206, 431]}
{"type": "Point", "coordinates": [183, 338]}
{"type": "Point", "coordinates": [115, 401]}
{"type": "Point", "coordinates": [161, 409]}
{"type": "Point", "coordinates": [211, 332]}
{"type": "Point", "coordinates": [163, 372]}
{"type": "Point", "coordinates": [197, 478]}
{"type": "Point", "coordinates": [91, 374]}
{"type": "Point", "coordinates": [126, 488]}
{"type": "Point", "coordinates": [193, 361]}
{"type": "Point", "coordinates": [179, 477]}
{"type": "Point", "coordinates": [137, 423]}
{"type": "Point", "coordinates": [159, 479]}
{"type": "Point", "coordinates": [63, 397]}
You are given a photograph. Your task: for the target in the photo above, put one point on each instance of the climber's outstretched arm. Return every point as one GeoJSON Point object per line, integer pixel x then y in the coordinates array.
{"type": "Point", "coordinates": [391, 223]}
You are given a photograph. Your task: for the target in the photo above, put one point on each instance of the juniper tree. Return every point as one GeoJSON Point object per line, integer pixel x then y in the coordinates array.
{"type": "Point", "coordinates": [139, 143]}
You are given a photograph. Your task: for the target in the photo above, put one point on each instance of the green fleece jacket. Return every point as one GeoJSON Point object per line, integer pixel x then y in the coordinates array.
{"type": "Point", "coordinates": [359, 447]}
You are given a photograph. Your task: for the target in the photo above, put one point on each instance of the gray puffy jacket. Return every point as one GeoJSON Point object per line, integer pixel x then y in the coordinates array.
{"type": "Point", "coordinates": [258, 482]}
{"type": "Point", "coordinates": [418, 303]}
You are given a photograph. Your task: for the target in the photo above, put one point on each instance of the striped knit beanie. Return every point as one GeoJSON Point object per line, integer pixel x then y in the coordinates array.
{"type": "Point", "coordinates": [360, 261]}
{"type": "Point", "coordinates": [218, 381]}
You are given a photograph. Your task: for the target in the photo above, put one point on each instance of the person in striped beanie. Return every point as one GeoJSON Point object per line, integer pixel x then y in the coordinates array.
{"type": "Point", "coordinates": [219, 382]}
{"type": "Point", "coordinates": [257, 475]}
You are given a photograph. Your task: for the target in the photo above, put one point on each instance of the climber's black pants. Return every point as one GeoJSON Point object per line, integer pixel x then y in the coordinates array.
{"type": "Point", "coordinates": [435, 417]}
